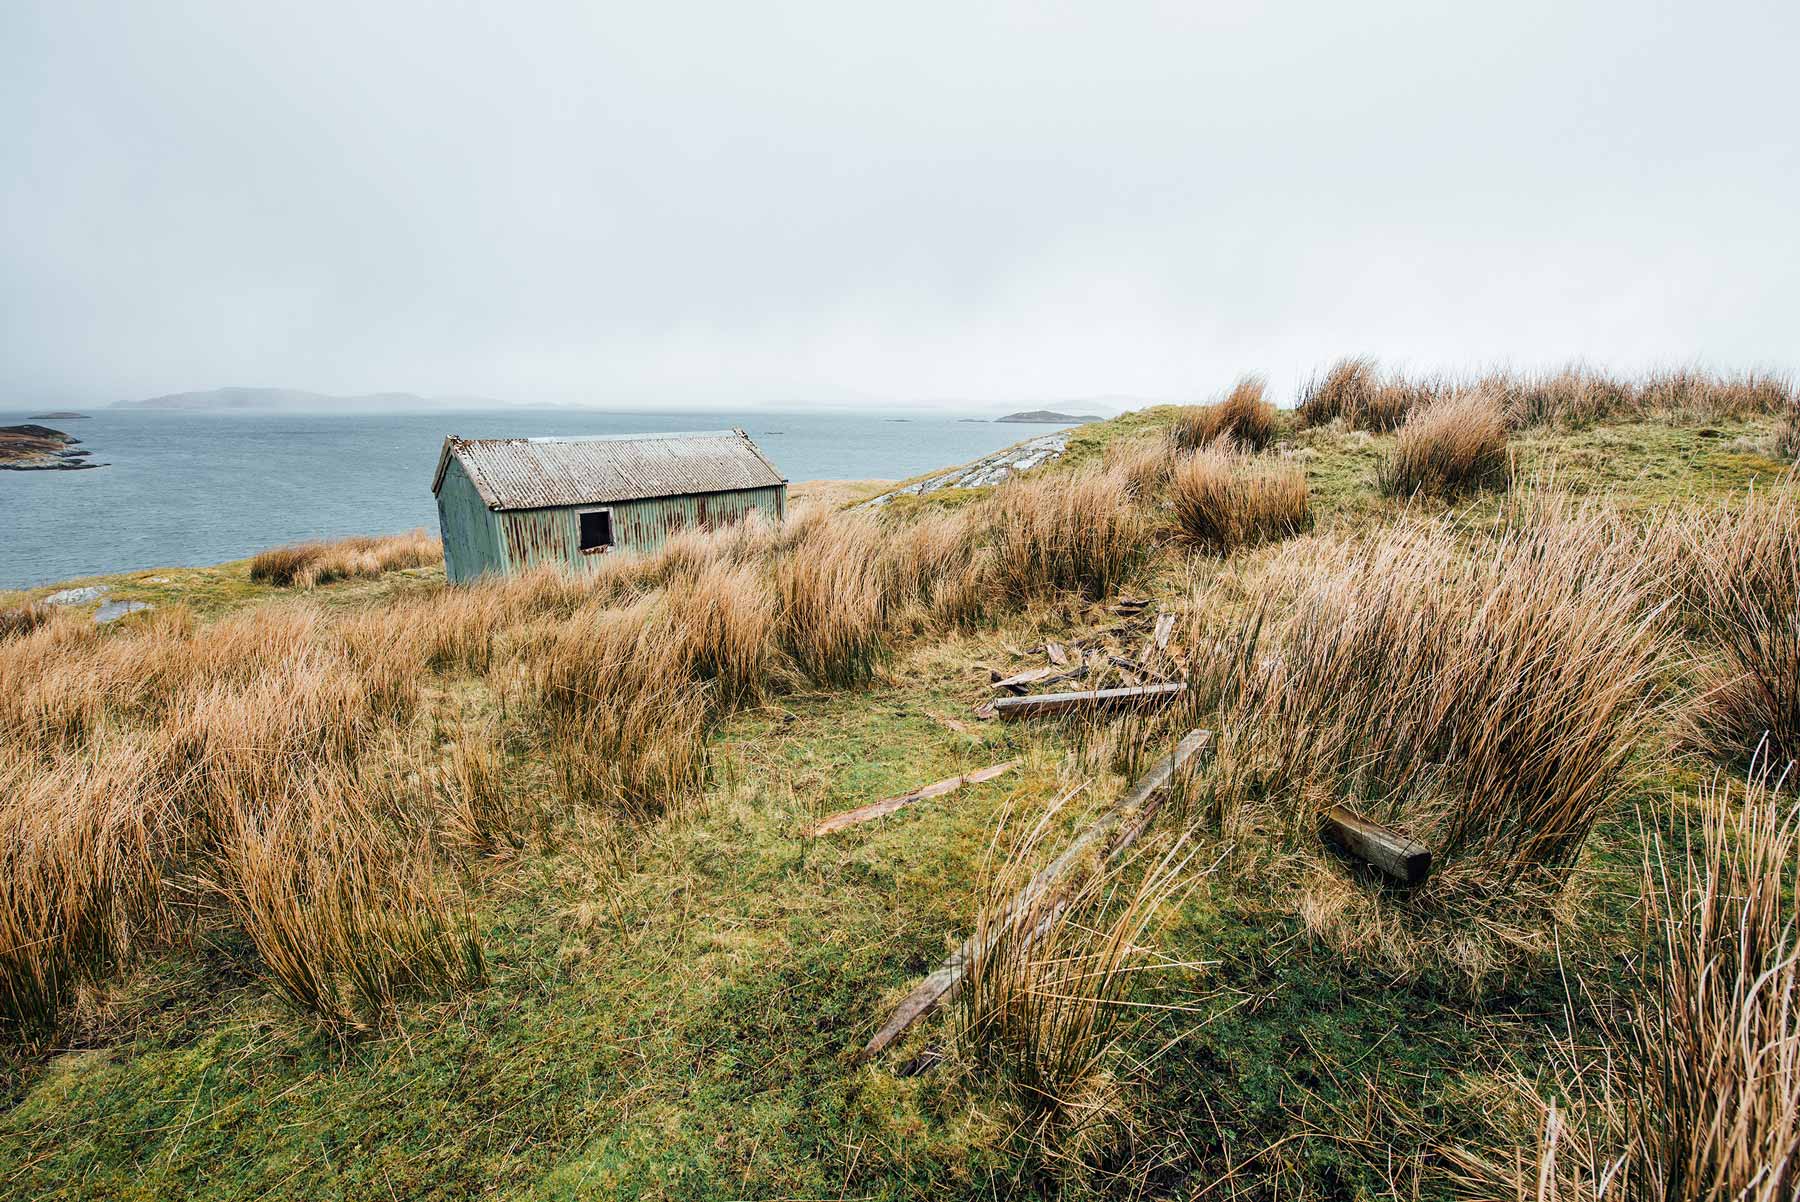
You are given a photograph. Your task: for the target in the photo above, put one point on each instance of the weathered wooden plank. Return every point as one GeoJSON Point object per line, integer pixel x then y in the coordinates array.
{"type": "Point", "coordinates": [886, 806]}
{"type": "Point", "coordinates": [1404, 859]}
{"type": "Point", "coordinates": [1134, 809]}
{"type": "Point", "coordinates": [1046, 704]}
{"type": "Point", "coordinates": [1058, 654]}
{"type": "Point", "coordinates": [1165, 626]}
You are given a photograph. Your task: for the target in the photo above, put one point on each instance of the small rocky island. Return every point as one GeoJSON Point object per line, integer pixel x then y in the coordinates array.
{"type": "Point", "coordinates": [61, 415]}
{"type": "Point", "coordinates": [34, 448]}
{"type": "Point", "coordinates": [1048, 417]}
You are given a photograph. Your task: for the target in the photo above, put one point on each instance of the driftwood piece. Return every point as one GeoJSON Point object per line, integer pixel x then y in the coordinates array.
{"type": "Point", "coordinates": [1104, 700]}
{"type": "Point", "coordinates": [1404, 859]}
{"type": "Point", "coordinates": [1057, 653]}
{"type": "Point", "coordinates": [887, 805]}
{"type": "Point", "coordinates": [1165, 626]}
{"type": "Point", "coordinates": [1134, 809]}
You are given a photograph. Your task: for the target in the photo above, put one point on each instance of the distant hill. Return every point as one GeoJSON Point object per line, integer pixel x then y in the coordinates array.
{"type": "Point", "coordinates": [1048, 417]}
{"type": "Point", "coordinates": [293, 399]}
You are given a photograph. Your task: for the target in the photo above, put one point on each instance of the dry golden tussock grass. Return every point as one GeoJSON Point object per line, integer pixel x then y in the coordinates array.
{"type": "Point", "coordinates": [832, 605]}
{"type": "Point", "coordinates": [347, 921]}
{"type": "Point", "coordinates": [1743, 585]}
{"type": "Point", "coordinates": [239, 747]}
{"type": "Point", "coordinates": [1353, 391]}
{"type": "Point", "coordinates": [1076, 533]}
{"type": "Point", "coordinates": [1244, 416]}
{"type": "Point", "coordinates": [1695, 1095]}
{"type": "Point", "coordinates": [1487, 704]}
{"type": "Point", "coordinates": [1448, 448]}
{"type": "Point", "coordinates": [304, 565]}
{"type": "Point", "coordinates": [16, 620]}
{"type": "Point", "coordinates": [1044, 1006]}
{"type": "Point", "coordinates": [1222, 500]}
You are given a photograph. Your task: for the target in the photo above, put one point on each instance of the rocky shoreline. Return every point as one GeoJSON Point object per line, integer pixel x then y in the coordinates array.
{"type": "Point", "coordinates": [989, 469]}
{"type": "Point", "coordinates": [34, 448]}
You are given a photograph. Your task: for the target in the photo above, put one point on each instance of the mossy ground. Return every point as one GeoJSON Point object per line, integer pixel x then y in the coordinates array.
{"type": "Point", "coordinates": [675, 1016]}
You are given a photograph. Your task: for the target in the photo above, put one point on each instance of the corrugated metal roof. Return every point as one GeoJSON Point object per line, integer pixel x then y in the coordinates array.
{"type": "Point", "coordinates": [539, 473]}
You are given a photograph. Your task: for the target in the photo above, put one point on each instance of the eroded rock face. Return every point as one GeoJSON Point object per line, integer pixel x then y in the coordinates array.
{"type": "Point", "coordinates": [34, 448]}
{"type": "Point", "coordinates": [989, 469]}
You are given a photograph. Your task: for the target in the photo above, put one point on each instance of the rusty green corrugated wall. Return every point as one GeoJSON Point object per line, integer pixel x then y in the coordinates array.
{"type": "Point", "coordinates": [529, 537]}
{"type": "Point", "coordinates": [470, 529]}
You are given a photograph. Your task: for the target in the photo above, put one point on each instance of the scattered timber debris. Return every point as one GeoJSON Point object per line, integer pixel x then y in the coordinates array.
{"type": "Point", "coordinates": [1057, 653]}
{"type": "Point", "coordinates": [1136, 805]}
{"type": "Point", "coordinates": [1040, 676]}
{"type": "Point", "coordinates": [984, 711]}
{"type": "Point", "coordinates": [887, 805]}
{"type": "Point", "coordinates": [1130, 606]}
{"type": "Point", "coordinates": [1404, 859]}
{"type": "Point", "coordinates": [1101, 700]}
{"type": "Point", "coordinates": [1165, 626]}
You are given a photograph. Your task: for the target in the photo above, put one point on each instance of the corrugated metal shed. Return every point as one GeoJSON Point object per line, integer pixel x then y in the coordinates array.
{"type": "Point", "coordinates": [542, 473]}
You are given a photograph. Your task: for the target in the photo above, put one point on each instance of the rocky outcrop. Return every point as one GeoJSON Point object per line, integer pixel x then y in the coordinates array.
{"type": "Point", "coordinates": [989, 469]}
{"type": "Point", "coordinates": [33, 448]}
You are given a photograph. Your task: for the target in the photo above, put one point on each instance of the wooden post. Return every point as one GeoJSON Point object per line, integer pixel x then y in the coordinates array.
{"type": "Point", "coordinates": [1136, 804]}
{"type": "Point", "coordinates": [1404, 859]}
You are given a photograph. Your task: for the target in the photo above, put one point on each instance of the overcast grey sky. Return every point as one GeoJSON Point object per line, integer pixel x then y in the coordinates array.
{"type": "Point", "coordinates": [746, 203]}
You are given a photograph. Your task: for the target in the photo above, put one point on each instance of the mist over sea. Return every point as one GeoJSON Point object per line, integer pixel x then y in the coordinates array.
{"type": "Point", "coordinates": [188, 489]}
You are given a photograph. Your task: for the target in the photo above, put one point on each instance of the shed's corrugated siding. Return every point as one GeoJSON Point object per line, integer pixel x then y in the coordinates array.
{"type": "Point", "coordinates": [538, 536]}
{"type": "Point", "coordinates": [470, 530]}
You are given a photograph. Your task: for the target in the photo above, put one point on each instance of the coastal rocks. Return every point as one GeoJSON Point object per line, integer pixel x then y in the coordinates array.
{"type": "Point", "coordinates": [79, 596]}
{"type": "Point", "coordinates": [109, 611]}
{"type": "Point", "coordinates": [34, 448]}
{"type": "Point", "coordinates": [989, 469]}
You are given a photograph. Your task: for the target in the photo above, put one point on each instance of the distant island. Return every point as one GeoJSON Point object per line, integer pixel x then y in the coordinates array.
{"type": "Point", "coordinates": [59, 416]}
{"type": "Point", "coordinates": [1047, 417]}
{"type": "Point", "coordinates": [295, 400]}
{"type": "Point", "coordinates": [29, 448]}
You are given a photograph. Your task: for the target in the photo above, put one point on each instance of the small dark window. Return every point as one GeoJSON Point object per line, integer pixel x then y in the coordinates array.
{"type": "Point", "coordinates": [596, 531]}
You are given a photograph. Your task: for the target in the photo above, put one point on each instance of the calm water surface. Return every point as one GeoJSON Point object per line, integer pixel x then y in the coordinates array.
{"type": "Point", "coordinates": [189, 489]}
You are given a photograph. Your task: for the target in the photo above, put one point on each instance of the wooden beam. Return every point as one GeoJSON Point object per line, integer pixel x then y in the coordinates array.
{"type": "Point", "coordinates": [1135, 809]}
{"type": "Point", "coordinates": [1404, 859]}
{"type": "Point", "coordinates": [1165, 625]}
{"type": "Point", "coordinates": [1047, 704]}
{"type": "Point", "coordinates": [886, 806]}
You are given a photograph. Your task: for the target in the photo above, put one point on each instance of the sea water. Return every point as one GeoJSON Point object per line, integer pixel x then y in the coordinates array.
{"type": "Point", "coordinates": [185, 489]}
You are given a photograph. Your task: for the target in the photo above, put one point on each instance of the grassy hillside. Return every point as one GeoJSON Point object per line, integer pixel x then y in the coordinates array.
{"type": "Point", "coordinates": [332, 882]}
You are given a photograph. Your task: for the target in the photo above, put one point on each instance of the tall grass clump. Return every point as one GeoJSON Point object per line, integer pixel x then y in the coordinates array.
{"type": "Point", "coordinates": [1744, 584]}
{"type": "Point", "coordinates": [1353, 391]}
{"type": "Point", "coordinates": [304, 565]}
{"type": "Point", "coordinates": [832, 607]}
{"type": "Point", "coordinates": [1222, 501]}
{"type": "Point", "coordinates": [1044, 1005]}
{"type": "Point", "coordinates": [79, 880]}
{"type": "Point", "coordinates": [1076, 533]}
{"type": "Point", "coordinates": [1448, 448]}
{"type": "Point", "coordinates": [625, 716]}
{"type": "Point", "coordinates": [1787, 432]}
{"type": "Point", "coordinates": [346, 921]}
{"type": "Point", "coordinates": [1244, 416]}
{"type": "Point", "coordinates": [1695, 1097]}
{"type": "Point", "coordinates": [1486, 702]}
{"type": "Point", "coordinates": [17, 620]}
